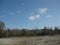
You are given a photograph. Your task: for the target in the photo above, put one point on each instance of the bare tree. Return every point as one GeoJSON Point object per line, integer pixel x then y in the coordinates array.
{"type": "Point", "coordinates": [2, 24]}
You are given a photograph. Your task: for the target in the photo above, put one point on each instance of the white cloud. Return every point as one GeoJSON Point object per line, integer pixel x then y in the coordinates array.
{"type": "Point", "coordinates": [42, 10]}
{"type": "Point", "coordinates": [37, 16]}
{"type": "Point", "coordinates": [38, 12]}
{"type": "Point", "coordinates": [34, 17]}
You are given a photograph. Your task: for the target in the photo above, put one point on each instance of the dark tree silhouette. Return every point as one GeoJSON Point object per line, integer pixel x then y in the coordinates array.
{"type": "Point", "coordinates": [2, 24]}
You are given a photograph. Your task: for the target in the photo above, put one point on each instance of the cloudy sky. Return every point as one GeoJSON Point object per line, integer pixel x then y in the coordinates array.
{"type": "Point", "coordinates": [30, 13]}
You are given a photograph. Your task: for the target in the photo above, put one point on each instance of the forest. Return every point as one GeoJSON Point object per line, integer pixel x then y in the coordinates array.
{"type": "Point", "coordinates": [4, 32]}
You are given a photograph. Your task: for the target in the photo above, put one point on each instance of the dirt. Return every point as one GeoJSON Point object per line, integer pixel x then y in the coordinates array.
{"type": "Point", "coordinates": [41, 40]}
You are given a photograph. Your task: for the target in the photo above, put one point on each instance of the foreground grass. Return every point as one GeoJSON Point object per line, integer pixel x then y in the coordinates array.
{"type": "Point", "coordinates": [41, 40]}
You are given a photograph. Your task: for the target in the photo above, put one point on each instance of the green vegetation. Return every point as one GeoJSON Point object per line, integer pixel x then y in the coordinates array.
{"type": "Point", "coordinates": [25, 32]}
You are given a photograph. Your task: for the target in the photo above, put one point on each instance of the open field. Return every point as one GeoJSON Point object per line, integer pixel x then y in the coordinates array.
{"type": "Point", "coordinates": [41, 40]}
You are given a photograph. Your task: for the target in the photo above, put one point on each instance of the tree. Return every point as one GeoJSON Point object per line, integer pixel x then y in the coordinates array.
{"type": "Point", "coordinates": [56, 28]}
{"type": "Point", "coordinates": [45, 31]}
{"type": "Point", "coordinates": [24, 32]}
{"type": "Point", "coordinates": [2, 24]}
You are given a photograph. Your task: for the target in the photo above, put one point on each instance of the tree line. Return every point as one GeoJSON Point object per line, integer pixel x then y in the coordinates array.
{"type": "Point", "coordinates": [26, 32]}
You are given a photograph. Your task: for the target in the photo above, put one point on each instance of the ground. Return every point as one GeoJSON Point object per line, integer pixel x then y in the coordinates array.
{"type": "Point", "coordinates": [40, 40]}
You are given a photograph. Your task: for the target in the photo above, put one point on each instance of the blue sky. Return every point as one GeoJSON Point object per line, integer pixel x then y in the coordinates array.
{"type": "Point", "coordinates": [30, 13]}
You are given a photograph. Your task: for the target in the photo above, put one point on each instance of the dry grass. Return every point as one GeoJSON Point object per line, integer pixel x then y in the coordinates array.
{"type": "Point", "coordinates": [41, 40]}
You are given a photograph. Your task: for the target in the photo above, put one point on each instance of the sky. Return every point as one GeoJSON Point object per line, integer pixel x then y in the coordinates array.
{"type": "Point", "coordinates": [30, 13]}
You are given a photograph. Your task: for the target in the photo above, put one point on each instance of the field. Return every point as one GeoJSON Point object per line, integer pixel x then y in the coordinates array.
{"type": "Point", "coordinates": [40, 40]}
